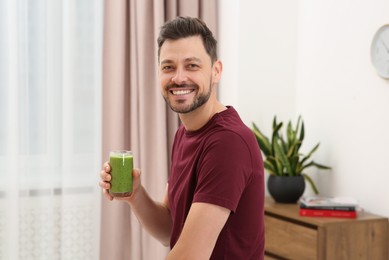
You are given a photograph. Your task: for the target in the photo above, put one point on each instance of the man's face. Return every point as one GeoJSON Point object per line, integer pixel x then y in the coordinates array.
{"type": "Point", "coordinates": [186, 74]}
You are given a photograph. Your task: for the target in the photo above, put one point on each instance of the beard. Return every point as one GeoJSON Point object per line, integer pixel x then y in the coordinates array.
{"type": "Point", "coordinates": [199, 100]}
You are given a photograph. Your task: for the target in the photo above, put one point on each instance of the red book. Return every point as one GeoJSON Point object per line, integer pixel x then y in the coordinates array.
{"type": "Point", "coordinates": [327, 213]}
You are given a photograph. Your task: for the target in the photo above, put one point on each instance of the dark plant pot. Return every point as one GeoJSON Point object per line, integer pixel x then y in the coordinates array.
{"type": "Point", "coordinates": [286, 189]}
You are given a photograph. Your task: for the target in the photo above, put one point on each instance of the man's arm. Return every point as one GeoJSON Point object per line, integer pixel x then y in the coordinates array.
{"type": "Point", "coordinates": [201, 230]}
{"type": "Point", "coordinates": [154, 216]}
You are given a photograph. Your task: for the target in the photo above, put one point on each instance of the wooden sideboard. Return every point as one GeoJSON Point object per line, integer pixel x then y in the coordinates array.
{"type": "Point", "coordinates": [290, 236]}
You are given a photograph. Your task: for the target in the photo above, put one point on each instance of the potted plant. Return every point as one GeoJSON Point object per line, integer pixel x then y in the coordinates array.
{"type": "Point", "coordinates": [284, 159]}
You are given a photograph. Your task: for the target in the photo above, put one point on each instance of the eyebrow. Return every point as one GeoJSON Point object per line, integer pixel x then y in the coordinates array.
{"type": "Point", "coordinates": [190, 59]}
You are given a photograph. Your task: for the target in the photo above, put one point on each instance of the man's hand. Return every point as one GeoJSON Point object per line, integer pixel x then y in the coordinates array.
{"type": "Point", "coordinates": [105, 178]}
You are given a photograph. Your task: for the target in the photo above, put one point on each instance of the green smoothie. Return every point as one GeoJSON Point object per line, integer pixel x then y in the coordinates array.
{"type": "Point", "coordinates": [121, 172]}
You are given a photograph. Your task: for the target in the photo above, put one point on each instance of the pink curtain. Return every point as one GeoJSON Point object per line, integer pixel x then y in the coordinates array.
{"type": "Point", "coordinates": [135, 116]}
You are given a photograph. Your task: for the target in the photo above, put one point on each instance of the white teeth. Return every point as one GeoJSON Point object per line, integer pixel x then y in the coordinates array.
{"type": "Point", "coordinates": [181, 92]}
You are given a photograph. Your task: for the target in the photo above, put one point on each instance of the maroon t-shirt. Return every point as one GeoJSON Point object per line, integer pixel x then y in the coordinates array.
{"type": "Point", "coordinates": [220, 164]}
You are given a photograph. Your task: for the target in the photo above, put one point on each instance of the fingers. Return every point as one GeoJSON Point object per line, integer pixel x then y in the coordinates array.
{"type": "Point", "coordinates": [105, 172]}
{"type": "Point", "coordinates": [136, 178]}
{"type": "Point", "coordinates": [136, 173]}
{"type": "Point", "coordinates": [107, 195]}
{"type": "Point", "coordinates": [105, 185]}
{"type": "Point", "coordinates": [107, 167]}
{"type": "Point", "coordinates": [105, 177]}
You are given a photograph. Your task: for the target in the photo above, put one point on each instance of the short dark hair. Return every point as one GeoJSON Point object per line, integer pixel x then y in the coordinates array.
{"type": "Point", "coordinates": [182, 27]}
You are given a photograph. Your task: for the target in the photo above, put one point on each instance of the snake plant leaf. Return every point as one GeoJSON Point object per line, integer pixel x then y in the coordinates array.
{"type": "Point", "coordinates": [270, 167]}
{"type": "Point", "coordinates": [314, 188]}
{"type": "Point", "coordinates": [321, 166]}
{"type": "Point", "coordinates": [313, 150]}
{"type": "Point", "coordinates": [291, 135]}
{"type": "Point", "coordinates": [283, 158]}
{"type": "Point", "coordinates": [299, 168]}
{"type": "Point", "coordinates": [274, 122]}
{"type": "Point", "coordinates": [293, 160]}
{"type": "Point", "coordinates": [263, 141]}
{"type": "Point", "coordinates": [293, 149]}
{"type": "Point", "coordinates": [304, 166]}
{"type": "Point", "coordinates": [275, 136]}
{"type": "Point", "coordinates": [302, 130]}
{"type": "Point", "coordinates": [310, 153]}
{"type": "Point", "coordinates": [255, 127]}
{"type": "Point", "coordinates": [277, 168]}
{"type": "Point", "coordinates": [284, 145]}
{"type": "Point", "coordinates": [276, 130]}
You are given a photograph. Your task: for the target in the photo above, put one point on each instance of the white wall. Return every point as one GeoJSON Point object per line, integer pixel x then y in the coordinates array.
{"type": "Point", "coordinates": [312, 58]}
{"type": "Point", "coordinates": [258, 42]}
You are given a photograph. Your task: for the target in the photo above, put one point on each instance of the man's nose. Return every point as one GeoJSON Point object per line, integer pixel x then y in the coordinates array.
{"type": "Point", "coordinates": [180, 76]}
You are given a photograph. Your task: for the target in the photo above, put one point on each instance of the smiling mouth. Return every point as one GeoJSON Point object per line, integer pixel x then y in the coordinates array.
{"type": "Point", "coordinates": [179, 92]}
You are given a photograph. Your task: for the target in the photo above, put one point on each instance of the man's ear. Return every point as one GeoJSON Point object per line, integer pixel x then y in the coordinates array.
{"type": "Point", "coordinates": [217, 71]}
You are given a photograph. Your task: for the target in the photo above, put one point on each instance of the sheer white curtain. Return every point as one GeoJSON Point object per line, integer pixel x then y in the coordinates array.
{"type": "Point", "coordinates": [50, 121]}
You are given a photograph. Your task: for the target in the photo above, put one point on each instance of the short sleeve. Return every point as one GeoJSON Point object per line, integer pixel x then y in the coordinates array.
{"type": "Point", "coordinates": [224, 170]}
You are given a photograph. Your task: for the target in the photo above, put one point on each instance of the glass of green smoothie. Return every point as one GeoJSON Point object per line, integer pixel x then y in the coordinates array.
{"type": "Point", "coordinates": [121, 173]}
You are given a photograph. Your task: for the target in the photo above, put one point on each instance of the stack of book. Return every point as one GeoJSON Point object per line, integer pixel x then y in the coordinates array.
{"type": "Point", "coordinates": [321, 206]}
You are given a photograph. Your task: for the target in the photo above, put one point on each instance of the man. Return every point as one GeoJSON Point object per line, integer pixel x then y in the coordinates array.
{"type": "Point", "coordinates": [213, 204]}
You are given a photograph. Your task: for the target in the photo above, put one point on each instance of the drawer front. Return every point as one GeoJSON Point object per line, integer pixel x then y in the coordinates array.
{"type": "Point", "coordinates": [290, 240]}
{"type": "Point", "coordinates": [358, 240]}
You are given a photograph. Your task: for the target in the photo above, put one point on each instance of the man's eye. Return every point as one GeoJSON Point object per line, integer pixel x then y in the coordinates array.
{"type": "Point", "coordinates": [193, 66]}
{"type": "Point", "coordinates": [166, 67]}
